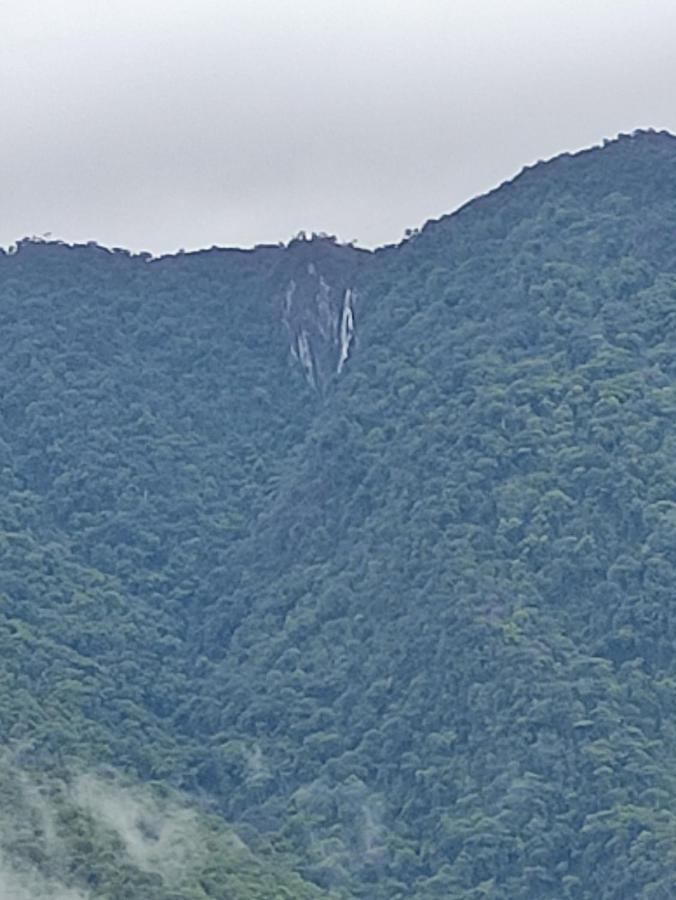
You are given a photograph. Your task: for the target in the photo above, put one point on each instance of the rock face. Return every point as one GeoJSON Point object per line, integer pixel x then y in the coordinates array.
{"type": "Point", "coordinates": [318, 312]}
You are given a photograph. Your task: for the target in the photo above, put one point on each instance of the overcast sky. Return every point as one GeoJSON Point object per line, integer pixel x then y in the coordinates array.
{"type": "Point", "coordinates": [159, 124]}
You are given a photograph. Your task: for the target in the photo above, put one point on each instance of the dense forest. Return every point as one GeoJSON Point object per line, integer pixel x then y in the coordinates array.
{"type": "Point", "coordinates": [327, 573]}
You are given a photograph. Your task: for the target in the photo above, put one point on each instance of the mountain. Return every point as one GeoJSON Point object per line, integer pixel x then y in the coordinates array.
{"type": "Point", "coordinates": [360, 562]}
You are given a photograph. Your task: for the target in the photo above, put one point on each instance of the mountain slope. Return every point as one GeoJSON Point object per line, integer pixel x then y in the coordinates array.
{"type": "Point", "coordinates": [375, 550]}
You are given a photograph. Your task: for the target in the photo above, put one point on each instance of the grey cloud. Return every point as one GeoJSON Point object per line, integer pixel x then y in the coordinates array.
{"type": "Point", "coordinates": [159, 125]}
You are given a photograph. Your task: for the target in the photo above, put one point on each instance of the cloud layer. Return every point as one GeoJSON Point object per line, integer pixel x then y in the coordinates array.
{"type": "Point", "coordinates": [159, 125]}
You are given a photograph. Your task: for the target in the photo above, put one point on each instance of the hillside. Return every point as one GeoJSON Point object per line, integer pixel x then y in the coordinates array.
{"type": "Point", "coordinates": [368, 556]}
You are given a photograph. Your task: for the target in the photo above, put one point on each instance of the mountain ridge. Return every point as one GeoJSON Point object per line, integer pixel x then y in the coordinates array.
{"type": "Point", "coordinates": [411, 634]}
{"type": "Point", "coordinates": [639, 135]}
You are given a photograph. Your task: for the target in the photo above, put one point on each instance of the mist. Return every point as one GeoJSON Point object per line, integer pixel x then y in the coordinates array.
{"type": "Point", "coordinates": [52, 827]}
{"type": "Point", "coordinates": [159, 837]}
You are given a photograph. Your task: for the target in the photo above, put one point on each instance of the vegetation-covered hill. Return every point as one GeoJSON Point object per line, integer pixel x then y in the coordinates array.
{"type": "Point", "coordinates": [371, 554]}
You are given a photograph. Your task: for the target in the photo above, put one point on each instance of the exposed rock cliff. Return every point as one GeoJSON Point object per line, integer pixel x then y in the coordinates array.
{"type": "Point", "coordinates": [318, 309]}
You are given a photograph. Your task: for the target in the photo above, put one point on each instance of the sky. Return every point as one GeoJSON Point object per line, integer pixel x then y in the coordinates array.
{"type": "Point", "coordinates": [158, 125]}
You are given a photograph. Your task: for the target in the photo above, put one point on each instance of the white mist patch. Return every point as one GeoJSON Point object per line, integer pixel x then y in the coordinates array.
{"type": "Point", "coordinates": [159, 837]}
{"type": "Point", "coordinates": [40, 811]}
{"type": "Point", "coordinates": [65, 838]}
{"type": "Point", "coordinates": [372, 831]}
{"type": "Point", "coordinates": [258, 771]}
{"type": "Point", "coordinates": [33, 857]}
{"type": "Point", "coordinates": [356, 843]}
{"type": "Point", "coordinates": [30, 884]}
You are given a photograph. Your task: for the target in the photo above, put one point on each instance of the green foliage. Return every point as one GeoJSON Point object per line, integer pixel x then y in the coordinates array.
{"type": "Point", "coordinates": [412, 638]}
{"type": "Point", "coordinates": [97, 837]}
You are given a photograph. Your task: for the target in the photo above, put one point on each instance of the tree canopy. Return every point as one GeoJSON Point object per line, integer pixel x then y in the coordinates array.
{"type": "Point", "coordinates": [407, 633]}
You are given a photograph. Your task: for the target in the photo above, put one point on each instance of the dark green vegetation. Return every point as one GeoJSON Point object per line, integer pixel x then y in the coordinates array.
{"type": "Point", "coordinates": [410, 632]}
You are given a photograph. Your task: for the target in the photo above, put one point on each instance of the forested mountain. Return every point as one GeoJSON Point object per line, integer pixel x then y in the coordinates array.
{"type": "Point", "coordinates": [334, 573]}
